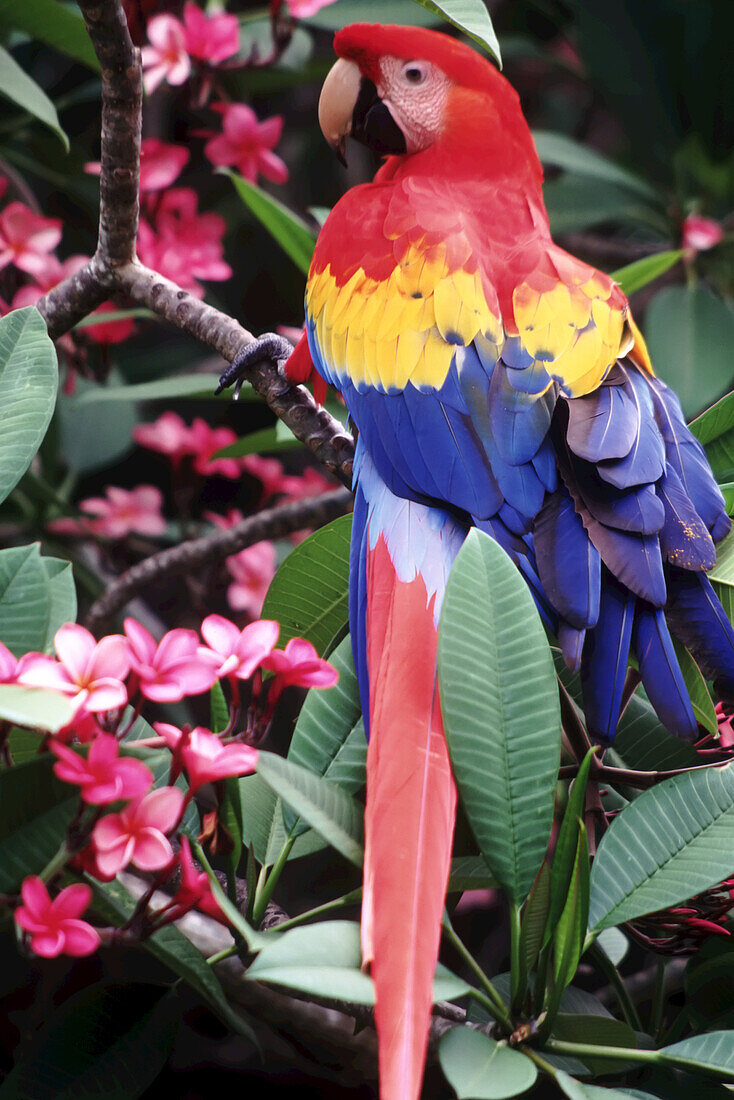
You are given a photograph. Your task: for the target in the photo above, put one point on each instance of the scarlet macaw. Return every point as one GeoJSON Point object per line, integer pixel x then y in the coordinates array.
{"type": "Point", "coordinates": [495, 381]}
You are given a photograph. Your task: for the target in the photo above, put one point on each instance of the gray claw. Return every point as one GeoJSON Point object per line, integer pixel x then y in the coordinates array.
{"type": "Point", "coordinates": [268, 346]}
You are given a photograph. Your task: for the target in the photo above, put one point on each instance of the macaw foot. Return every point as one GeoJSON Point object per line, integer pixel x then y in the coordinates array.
{"type": "Point", "coordinates": [268, 346]}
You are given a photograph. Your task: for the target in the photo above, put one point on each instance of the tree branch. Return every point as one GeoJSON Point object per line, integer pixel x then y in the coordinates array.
{"type": "Point", "coordinates": [115, 270]}
{"type": "Point", "coordinates": [272, 523]}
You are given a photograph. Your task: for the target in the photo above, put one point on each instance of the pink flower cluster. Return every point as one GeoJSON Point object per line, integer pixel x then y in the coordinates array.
{"type": "Point", "coordinates": [101, 678]}
{"type": "Point", "coordinates": [208, 39]}
{"type": "Point", "coordinates": [700, 234]}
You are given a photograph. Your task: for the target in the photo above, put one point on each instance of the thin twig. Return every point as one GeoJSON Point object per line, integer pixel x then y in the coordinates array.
{"type": "Point", "coordinates": [272, 523]}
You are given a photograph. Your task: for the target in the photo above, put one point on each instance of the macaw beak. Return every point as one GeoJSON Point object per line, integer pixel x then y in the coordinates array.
{"type": "Point", "coordinates": [350, 106]}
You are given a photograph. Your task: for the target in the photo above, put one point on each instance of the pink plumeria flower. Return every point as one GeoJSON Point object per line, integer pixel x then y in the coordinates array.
{"type": "Point", "coordinates": [27, 238]}
{"type": "Point", "coordinates": [90, 672]}
{"type": "Point", "coordinates": [8, 665]}
{"type": "Point", "coordinates": [210, 38]}
{"type": "Point", "coordinates": [726, 726]}
{"type": "Point", "coordinates": [54, 926]}
{"type": "Point", "coordinates": [168, 435]}
{"type": "Point", "coordinates": [104, 776]}
{"type": "Point", "coordinates": [83, 728]}
{"type": "Point", "coordinates": [166, 57]}
{"type": "Point", "coordinates": [247, 143]}
{"type": "Point", "coordinates": [160, 164]}
{"type": "Point", "coordinates": [194, 891]}
{"type": "Point", "coordinates": [207, 441]}
{"type": "Point", "coordinates": [303, 8]}
{"type": "Point", "coordinates": [308, 484]}
{"type": "Point", "coordinates": [108, 332]}
{"type": "Point", "coordinates": [172, 668]}
{"type": "Point", "coordinates": [700, 234]}
{"type": "Point", "coordinates": [204, 756]}
{"type": "Point", "coordinates": [239, 652]}
{"type": "Point", "coordinates": [300, 665]}
{"type": "Point", "coordinates": [185, 245]}
{"type": "Point", "coordinates": [137, 834]}
{"type": "Point", "coordinates": [267, 470]}
{"type": "Point", "coordinates": [123, 512]}
{"type": "Point", "coordinates": [252, 571]}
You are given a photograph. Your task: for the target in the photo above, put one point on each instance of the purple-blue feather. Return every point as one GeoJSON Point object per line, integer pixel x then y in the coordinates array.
{"type": "Point", "coordinates": [604, 659]}
{"type": "Point", "coordinates": [661, 675]}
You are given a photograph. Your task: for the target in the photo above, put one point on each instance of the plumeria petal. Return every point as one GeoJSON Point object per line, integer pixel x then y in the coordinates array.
{"type": "Point", "coordinates": [74, 646]}
{"type": "Point", "coordinates": [71, 902]}
{"type": "Point", "coordinates": [152, 851]}
{"type": "Point", "coordinates": [80, 939]}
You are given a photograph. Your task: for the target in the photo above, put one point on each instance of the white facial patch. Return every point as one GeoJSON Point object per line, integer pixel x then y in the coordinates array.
{"type": "Point", "coordinates": [415, 93]}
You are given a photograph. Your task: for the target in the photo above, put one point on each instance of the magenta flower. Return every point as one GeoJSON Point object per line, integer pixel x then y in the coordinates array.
{"type": "Point", "coordinates": [308, 484]}
{"type": "Point", "coordinates": [206, 442]}
{"type": "Point", "coordinates": [8, 665]}
{"type": "Point", "coordinates": [27, 238]}
{"type": "Point", "coordinates": [104, 776]}
{"type": "Point", "coordinates": [700, 233]}
{"type": "Point", "coordinates": [138, 833]}
{"type": "Point", "coordinates": [166, 57]}
{"type": "Point", "coordinates": [252, 570]}
{"type": "Point", "coordinates": [210, 38]}
{"type": "Point", "coordinates": [185, 245]}
{"type": "Point", "coordinates": [267, 470]}
{"type": "Point", "coordinates": [303, 8]}
{"type": "Point", "coordinates": [124, 511]}
{"type": "Point", "coordinates": [168, 435]}
{"type": "Point", "coordinates": [54, 926]}
{"type": "Point", "coordinates": [300, 665]}
{"type": "Point", "coordinates": [726, 726]}
{"type": "Point", "coordinates": [239, 652]}
{"type": "Point", "coordinates": [160, 164]}
{"type": "Point", "coordinates": [109, 332]}
{"type": "Point", "coordinates": [247, 143]}
{"type": "Point", "coordinates": [204, 756]}
{"type": "Point", "coordinates": [194, 891]}
{"type": "Point", "coordinates": [172, 668]}
{"type": "Point", "coordinates": [90, 672]}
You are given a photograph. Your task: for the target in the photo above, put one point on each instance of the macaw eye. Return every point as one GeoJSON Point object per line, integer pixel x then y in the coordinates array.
{"type": "Point", "coordinates": [415, 72]}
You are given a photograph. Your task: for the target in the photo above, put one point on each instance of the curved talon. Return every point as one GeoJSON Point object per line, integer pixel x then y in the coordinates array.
{"type": "Point", "coordinates": [268, 346]}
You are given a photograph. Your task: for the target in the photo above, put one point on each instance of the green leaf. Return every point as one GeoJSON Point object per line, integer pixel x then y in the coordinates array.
{"type": "Point", "coordinates": [309, 594]}
{"type": "Point", "coordinates": [403, 12]}
{"type": "Point", "coordinates": [470, 873]}
{"type": "Point", "coordinates": [561, 151]}
{"type": "Point", "coordinates": [471, 17]}
{"type": "Point", "coordinates": [162, 389]}
{"type": "Point", "coordinates": [54, 24]}
{"type": "Point", "coordinates": [262, 824]}
{"type": "Point", "coordinates": [35, 810]}
{"type": "Point", "coordinates": [715, 421]}
{"type": "Point", "coordinates": [569, 933]}
{"type": "Point", "coordinates": [614, 944]}
{"type": "Point", "coordinates": [34, 707]}
{"type": "Point", "coordinates": [218, 709]}
{"type": "Point", "coordinates": [108, 1040]}
{"type": "Point", "coordinates": [26, 600]}
{"type": "Point", "coordinates": [324, 959]}
{"type": "Point", "coordinates": [712, 1053]}
{"type": "Point", "coordinates": [329, 737]}
{"type": "Point", "coordinates": [171, 947]}
{"type": "Point", "coordinates": [643, 742]}
{"type": "Point", "coordinates": [272, 440]}
{"type": "Point", "coordinates": [535, 916]}
{"type": "Point", "coordinates": [28, 380]}
{"type": "Point", "coordinates": [576, 1090]}
{"type": "Point", "coordinates": [565, 856]}
{"type": "Point", "coordinates": [634, 276]}
{"type": "Point", "coordinates": [595, 1030]}
{"type": "Point", "coordinates": [230, 816]}
{"type": "Point", "coordinates": [292, 234]}
{"type": "Point", "coordinates": [18, 87]}
{"type": "Point", "coordinates": [500, 707]}
{"type": "Point", "coordinates": [723, 571]}
{"type": "Point", "coordinates": [62, 596]}
{"type": "Point", "coordinates": [479, 1068]}
{"type": "Point", "coordinates": [703, 706]}
{"type": "Point", "coordinates": [330, 811]}
{"type": "Point", "coordinates": [685, 327]}
{"type": "Point", "coordinates": [672, 842]}
{"type": "Point", "coordinates": [93, 436]}
{"type": "Point", "coordinates": [573, 206]}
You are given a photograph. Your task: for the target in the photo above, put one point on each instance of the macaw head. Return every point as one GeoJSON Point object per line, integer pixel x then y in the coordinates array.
{"type": "Point", "coordinates": [407, 90]}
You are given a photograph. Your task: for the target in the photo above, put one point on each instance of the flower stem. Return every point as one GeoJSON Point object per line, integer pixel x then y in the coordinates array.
{"type": "Point", "coordinates": [592, 1050]}
{"type": "Point", "coordinates": [327, 907]}
{"type": "Point", "coordinates": [490, 998]}
{"type": "Point", "coordinates": [609, 970]}
{"type": "Point", "coordinates": [265, 888]}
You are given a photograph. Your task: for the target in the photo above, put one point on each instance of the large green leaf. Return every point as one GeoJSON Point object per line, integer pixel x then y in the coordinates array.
{"type": "Point", "coordinates": [171, 947]}
{"type": "Point", "coordinates": [91, 435]}
{"type": "Point", "coordinates": [577, 1090]}
{"type": "Point", "coordinates": [712, 1052]}
{"type": "Point", "coordinates": [29, 608]}
{"type": "Point", "coordinates": [329, 737]}
{"type": "Point", "coordinates": [52, 23]}
{"type": "Point", "coordinates": [636, 275]}
{"type": "Point", "coordinates": [686, 327]}
{"type": "Point", "coordinates": [273, 440]}
{"type": "Point", "coordinates": [325, 960]}
{"type": "Point", "coordinates": [672, 842]}
{"type": "Point", "coordinates": [292, 234]}
{"type": "Point", "coordinates": [479, 1068]}
{"type": "Point", "coordinates": [471, 17]}
{"type": "Point", "coordinates": [573, 205]}
{"type": "Point", "coordinates": [561, 151]}
{"type": "Point", "coordinates": [35, 809]}
{"type": "Point", "coordinates": [109, 1040]}
{"type": "Point", "coordinates": [162, 389]}
{"type": "Point", "coordinates": [723, 571]}
{"type": "Point", "coordinates": [62, 596]}
{"type": "Point", "coordinates": [309, 593]}
{"type": "Point", "coordinates": [262, 824]}
{"type": "Point", "coordinates": [28, 380]}
{"type": "Point", "coordinates": [330, 811]}
{"type": "Point", "coordinates": [715, 429]}
{"type": "Point", "coordinates": [17, 86]}
{"type": "Point", "coordinates": [500, 706]}
{"type": "Point", "coordinates": [470, 873]}
{"type": "Point", "coordinates": [698, 692]}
